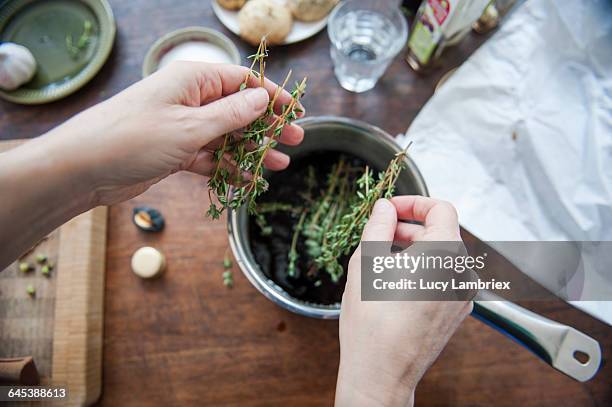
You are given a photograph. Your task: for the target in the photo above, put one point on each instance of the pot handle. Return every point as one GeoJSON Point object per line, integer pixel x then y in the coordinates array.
{"type": "Point", "coordinates": [556, 343]}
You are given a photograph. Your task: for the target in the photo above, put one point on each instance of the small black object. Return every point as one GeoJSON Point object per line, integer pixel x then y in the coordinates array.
{"type": "Point", "coordinates": [148, 219]}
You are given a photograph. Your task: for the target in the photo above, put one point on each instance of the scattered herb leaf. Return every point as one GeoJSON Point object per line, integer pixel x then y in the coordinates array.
{"type": "Point", "coordinates": [228, 278]}
{"type": "Point", "coordinates": [46, 270]}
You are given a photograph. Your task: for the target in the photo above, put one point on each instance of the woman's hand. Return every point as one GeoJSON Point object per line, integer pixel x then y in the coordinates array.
{"type": "Point", "coordinates": [168, 122]}
{"type": "Point", "coordinates": [386, 347]}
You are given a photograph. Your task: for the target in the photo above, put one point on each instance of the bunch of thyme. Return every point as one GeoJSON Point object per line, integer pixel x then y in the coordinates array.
{"type": "Point", "coordinates": [249, 149]}
{"type": "Point", "coordinates": [332, 222]}
{"type": "Point", "coordinates": [346, 233]}
{"type": "Point", "coordinates": [328, 208]}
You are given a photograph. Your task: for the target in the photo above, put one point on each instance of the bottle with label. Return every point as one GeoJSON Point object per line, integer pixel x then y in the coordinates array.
{"type": "Point", "coordinates": [437, 23]}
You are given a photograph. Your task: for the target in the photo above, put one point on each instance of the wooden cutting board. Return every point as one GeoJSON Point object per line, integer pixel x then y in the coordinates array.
{"type": "Point", "coordinates": [61, 326]}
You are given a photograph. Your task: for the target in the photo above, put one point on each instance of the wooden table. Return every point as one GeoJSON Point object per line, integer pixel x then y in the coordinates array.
{"type": "Point", "coordinates": [187, 340]}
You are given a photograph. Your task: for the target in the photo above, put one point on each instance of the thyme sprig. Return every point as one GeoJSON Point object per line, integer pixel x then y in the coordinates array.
{"type": "Point", "coordinates": [74, 49]}
{"type": "Point", "coordinates": [249, 149]}
{"type": "Point", "coordinates": [346, 234]}
{"type": "Point", "coordinates": [272, 207]}
{"type": "Point", "coordinates": [293, 254]}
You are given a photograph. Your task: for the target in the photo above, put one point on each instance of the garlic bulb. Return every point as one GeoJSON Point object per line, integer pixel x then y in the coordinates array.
{"type": "Point", "coordinates": [17, 65]}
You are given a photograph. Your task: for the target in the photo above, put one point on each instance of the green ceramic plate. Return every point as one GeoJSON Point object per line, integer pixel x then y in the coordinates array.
{"type": "Point", "coordinates": [70, 40]}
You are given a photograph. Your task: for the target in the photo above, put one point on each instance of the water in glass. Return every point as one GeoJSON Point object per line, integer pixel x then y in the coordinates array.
{"type": "Point", "coordinates": [363, 44]}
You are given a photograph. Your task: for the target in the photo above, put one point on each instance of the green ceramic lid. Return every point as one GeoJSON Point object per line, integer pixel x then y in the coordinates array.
{"type": "Point", "coordinates": [70, 40]}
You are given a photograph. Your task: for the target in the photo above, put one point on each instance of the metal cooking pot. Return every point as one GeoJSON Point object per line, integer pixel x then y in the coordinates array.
{"type": "Point", "coordinates": [555, 343]}
{"type": "Point", "coordinates": [322, 133]}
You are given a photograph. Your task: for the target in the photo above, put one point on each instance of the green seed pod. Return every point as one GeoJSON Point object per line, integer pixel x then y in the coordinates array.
{"type": "Point", "coordinates": [24, 267]}
{"type": "Point", "coordinates": [41, 258]}
{"type": "Point", "coordinates": [45, 270]}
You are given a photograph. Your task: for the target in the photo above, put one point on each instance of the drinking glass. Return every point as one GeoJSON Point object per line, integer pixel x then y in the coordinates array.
{"type": "Point", "coordinates": [365, 36]}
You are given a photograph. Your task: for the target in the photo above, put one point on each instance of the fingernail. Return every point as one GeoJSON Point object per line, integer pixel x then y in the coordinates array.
{"type": "Point", "coordinates": [258, 97]}
{"type": "Point", "coordinates": [381, 206]}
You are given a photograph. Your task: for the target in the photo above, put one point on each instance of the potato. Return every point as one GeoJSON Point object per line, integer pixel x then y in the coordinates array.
{"type": "Point", "coordinates": [311, 10]}
{"type": "Point", "coordinates": [264, 17]}
{"type": "Point", "coordinates": [231, 4]}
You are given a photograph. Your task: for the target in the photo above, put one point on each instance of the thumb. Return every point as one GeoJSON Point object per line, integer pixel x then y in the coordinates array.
{"type": "Point", "coordinates": [232, 112]}
{"type": "Point", "coordinates": [382, 223]}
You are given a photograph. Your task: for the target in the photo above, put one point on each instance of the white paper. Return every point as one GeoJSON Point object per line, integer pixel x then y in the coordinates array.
{"type": "Point", "coordinates": [520, 137]}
